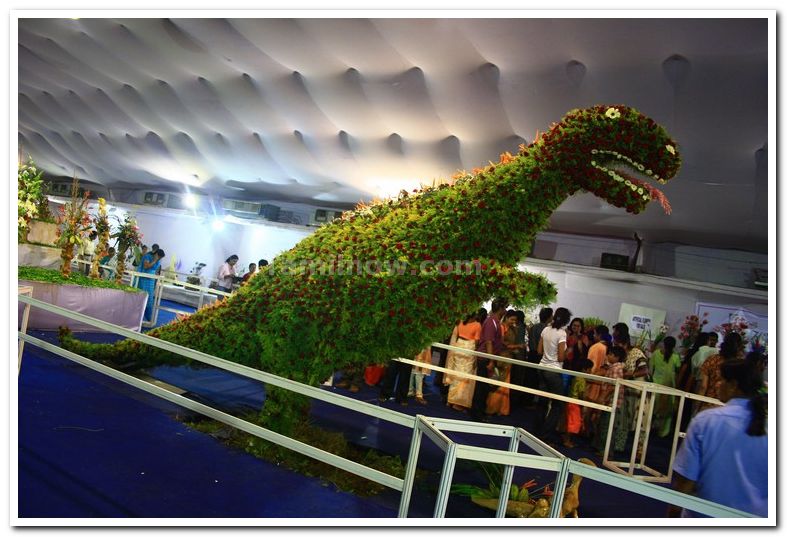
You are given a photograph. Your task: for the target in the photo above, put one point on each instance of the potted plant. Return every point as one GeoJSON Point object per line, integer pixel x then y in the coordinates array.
{"type": "Point", "coordinates": [127, 236]}
{"type": "Point", "coordinates": [32, 202]}
{"type": "Point", "coordinates": [73, 226]}
{"type": "Point", "coordinates": [101, 223]}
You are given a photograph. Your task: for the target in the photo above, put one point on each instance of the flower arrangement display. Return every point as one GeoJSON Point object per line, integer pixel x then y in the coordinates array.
{"type": "Point", "coordinates": [73, 226]}
{"type": "Point", "coordinates": [101, 224]}
{"type": "Point", "coordinates": [736, 324]}
{"type": "Point", "coordinates": [528, 491]}
{"type": "Point", "coordinates": [691, 328]}
{"type": "Point", "coordinates": [388, 278]}
{"type": "Point", "coordinates": [31, 197]}
{"type": "Point", "coordinates": [127, 236]}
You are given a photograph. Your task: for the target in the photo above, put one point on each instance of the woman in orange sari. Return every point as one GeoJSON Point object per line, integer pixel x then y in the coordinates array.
{"type": "Point", "coordinates": [460, 390]}
{"type": "Point", "coordinates": [498, 402]}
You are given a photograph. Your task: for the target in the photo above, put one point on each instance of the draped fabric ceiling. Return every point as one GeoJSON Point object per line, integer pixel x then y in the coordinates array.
{"type": "Point", "coordinates": [332, 111]}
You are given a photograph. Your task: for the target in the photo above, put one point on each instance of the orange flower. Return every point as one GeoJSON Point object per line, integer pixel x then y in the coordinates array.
{"type": "Point", "coordinates": [506, 157]}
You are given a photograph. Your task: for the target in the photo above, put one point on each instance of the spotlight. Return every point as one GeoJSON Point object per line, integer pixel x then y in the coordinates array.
{"type": "Point", "coordinates": [190, 201]}
{"type": "Point", "coordinates": [217, 225]}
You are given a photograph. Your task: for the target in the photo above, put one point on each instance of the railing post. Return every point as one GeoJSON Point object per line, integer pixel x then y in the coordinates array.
{"type": "Point", "coordinates": [446, 477]}
{"type": "Point", "coordinates": [409, 472]}
{"type": "Point", "coordinates": [560, 489]}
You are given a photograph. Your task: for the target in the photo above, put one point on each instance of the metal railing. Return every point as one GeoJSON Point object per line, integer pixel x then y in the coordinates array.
{"type": "Point", "coordinates": [432, 428]}
{"type": "Point", "coordinates": [643, 423]}
{"type": "Point", "coordinates": [131, 278]}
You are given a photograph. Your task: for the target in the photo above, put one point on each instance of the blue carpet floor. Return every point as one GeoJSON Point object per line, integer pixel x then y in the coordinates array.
{"type": "Point", "coordinates": [90, 446]}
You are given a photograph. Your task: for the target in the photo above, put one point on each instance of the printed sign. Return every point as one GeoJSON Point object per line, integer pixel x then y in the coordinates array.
{"type": "Point", "coordinates": [641, 319]}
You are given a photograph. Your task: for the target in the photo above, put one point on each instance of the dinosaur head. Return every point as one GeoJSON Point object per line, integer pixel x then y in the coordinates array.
{"type": "Point", "coordinates": [614, 152]}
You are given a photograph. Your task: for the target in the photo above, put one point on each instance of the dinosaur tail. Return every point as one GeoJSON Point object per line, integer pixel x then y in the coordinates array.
{"type": "Point", "coordinates": [124, 352]}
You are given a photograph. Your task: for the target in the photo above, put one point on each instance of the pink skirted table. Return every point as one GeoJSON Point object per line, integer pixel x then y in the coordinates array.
{"type": "Point", "coordinates": [123, 308]}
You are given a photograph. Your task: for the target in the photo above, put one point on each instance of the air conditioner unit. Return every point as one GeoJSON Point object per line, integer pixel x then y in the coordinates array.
{"type": "Point", "coordinates": [614, 261]}
{"type": "Point", "coordinates": [323, 216]}
{"type": "Point", "coordinates": [270, 212]}
{"type": "Point", "coordinates": [760, 278]}
{"type": "Point", "coordinates": [158, 199]}
{"type": "Point", "coordinates": [238, 206]}
{"type": "Point", "coordinates": [60, 189]}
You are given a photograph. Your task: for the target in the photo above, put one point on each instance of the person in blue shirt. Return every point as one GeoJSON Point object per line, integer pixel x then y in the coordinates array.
{"type": "Point", "coordinates": [724, 457]}
{"type": "Point", "coordinates": [149, 264]}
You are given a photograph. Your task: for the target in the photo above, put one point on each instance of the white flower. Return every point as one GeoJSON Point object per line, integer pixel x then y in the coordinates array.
{"type": "Point", "coordinates": [670, 149]}
{"type": "Point", "coordinates": [640, 191]}
{"type": "Point", "coordinates": [634, 187]}
{"type": "Point", "coordinates": [628, 183]}
{"type": "Point", "coordinates": [612, 113]}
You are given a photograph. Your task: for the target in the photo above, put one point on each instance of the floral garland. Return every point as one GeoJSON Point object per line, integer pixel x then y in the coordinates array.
{"type": "Point", "coordinates": [73, 225]}
{"type": "Point", "coordinates": [101, 223]}
{"type": "Point", "coordinates": [30, 191]}
{"type": "Point", "coordinates": [127, 236]}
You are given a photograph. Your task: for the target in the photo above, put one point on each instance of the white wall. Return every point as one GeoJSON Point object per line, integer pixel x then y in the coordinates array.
{"type": "Point", "coordinates": [582, 287]}
{"type": "Point", "coordinates": [599, 293]}
{"type": "Point", "coordinates": [726, 267]}
{"type": "Point", "coordinates": [192, 239]}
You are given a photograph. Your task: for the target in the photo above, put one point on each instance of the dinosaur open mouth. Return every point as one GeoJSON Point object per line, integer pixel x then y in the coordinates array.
{"type": "Point", "coordinates": [623, 169]}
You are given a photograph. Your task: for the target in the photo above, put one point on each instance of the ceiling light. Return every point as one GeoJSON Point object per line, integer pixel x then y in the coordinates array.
{"type": "Point", "coordinates": [190, 201]}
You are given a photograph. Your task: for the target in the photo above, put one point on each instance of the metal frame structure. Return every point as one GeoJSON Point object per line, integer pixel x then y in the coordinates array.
{"type": "Point", "coordinates": [647, 398]}
{"type": "Point", "coordinates": [23, 290]}
{"type": "Point", "coordinates": [130, 278]}
{"type": "Point", "coordinates": [433, 428]}
{"type": "Point", "coordinates": [645, 406]}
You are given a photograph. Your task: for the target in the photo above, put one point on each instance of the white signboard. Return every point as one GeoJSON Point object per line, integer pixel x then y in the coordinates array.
{"type": "Point", "coordinates": [641, 319]}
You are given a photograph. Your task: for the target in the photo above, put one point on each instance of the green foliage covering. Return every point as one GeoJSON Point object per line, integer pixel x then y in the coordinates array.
{"type": "Point", "coordinates": [38, 274]}
{"type": "Point", "coordinates": [386, 280]}
{"type": "Point", "coordinates": [330, 441]}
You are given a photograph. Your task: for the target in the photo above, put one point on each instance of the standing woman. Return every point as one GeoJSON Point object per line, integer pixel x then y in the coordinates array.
{"type": "Point", "coordinates": [664, 365]}
{"type": "Point", "coordinates": [635, 367]}
{"type": "Point", "coordinates": [227, 274]}
{"type": "Point", "coordinates": [498, 402]}
{"type": "Point", "coordinates": [724, 457]}
{"type": "Point", "coordinates": [149, 264]}
{"type": "Point", "coordinates": [460, 390]}
{"type": "Point", "coordinates": [710, 370]}
{"type": "Point", "coordinates": [576, 344]}
{"type": "Point", "coordinates": [552, 347]}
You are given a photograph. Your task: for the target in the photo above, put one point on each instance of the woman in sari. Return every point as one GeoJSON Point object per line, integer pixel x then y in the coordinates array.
{"type": "Point", "coordinates": [460, 390]}
{"type": "Point", "coordinates": [149, 264]}
{"type": "Point", "coordinates": [664, 366]}
{"type": "Point", "coordinates": [710, 371]}
{"type": "Point", "coordinates": [498, 401]}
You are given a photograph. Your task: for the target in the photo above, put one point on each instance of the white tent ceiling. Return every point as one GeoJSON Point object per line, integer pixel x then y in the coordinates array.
{"type": "Point", "coordinates": [332, 111]}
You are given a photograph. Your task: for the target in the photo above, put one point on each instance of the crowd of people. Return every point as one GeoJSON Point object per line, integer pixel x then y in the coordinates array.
{"type": "Point", "coordinates": [559, 342]}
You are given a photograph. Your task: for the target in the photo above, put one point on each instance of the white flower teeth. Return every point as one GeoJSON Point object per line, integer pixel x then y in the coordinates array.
{"type": "Point", "coordinates": [617, 177]}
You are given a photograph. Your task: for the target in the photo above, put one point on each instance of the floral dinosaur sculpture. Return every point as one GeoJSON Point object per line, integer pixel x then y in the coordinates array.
{"type": "Point", "coordinates": [385, 280]}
